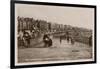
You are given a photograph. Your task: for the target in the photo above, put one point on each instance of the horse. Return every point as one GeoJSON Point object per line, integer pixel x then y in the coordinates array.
{"type": "Point", "coordinates": [47, 41]}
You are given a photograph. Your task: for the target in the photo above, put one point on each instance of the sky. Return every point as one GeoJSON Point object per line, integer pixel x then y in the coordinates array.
{"type": "Point", "coordinates": [74, 16]}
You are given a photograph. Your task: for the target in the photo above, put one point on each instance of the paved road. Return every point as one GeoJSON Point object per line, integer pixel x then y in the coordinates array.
{"type": "Point", "coordinates": [59, 51]}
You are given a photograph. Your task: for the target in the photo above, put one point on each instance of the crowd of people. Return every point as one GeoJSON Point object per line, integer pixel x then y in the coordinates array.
{"type": "Point", "coordinates": [68, 37]}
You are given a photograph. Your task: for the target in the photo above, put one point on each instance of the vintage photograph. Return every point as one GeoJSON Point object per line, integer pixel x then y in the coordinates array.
{"type": "Point", "coordinates": [53, 34]}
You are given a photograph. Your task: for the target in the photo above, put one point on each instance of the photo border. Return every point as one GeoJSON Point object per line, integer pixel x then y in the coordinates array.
{"type": "Point", "coordinates": [12, 33]}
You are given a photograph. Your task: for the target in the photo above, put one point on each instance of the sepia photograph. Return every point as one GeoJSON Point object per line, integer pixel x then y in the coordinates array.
{"type": "Point", "coordinates": [49, 34]}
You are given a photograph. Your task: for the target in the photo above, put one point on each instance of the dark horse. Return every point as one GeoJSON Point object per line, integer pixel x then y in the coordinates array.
{"type": "Point", "coordinates": [47, 40]}
{"type": "Point", "coordinates": [27, 38]}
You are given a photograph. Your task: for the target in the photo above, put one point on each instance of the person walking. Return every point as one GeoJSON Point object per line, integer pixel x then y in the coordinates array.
{"type": "Point", "coordinates": [67, 36]}
{"type": "Point", "coordinates": [60, 39]}
{"type": "Point", "coordinates": [90, 40]}
{"type": "Point", "coordinates": [50, 41]}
